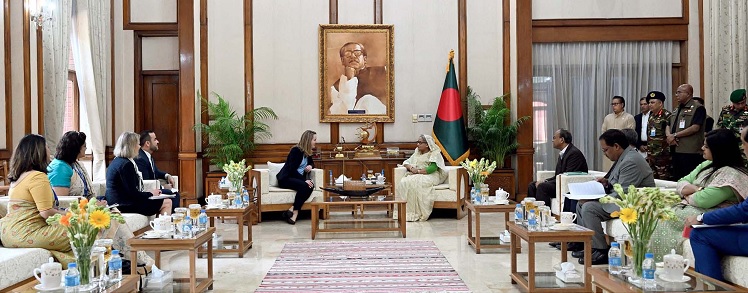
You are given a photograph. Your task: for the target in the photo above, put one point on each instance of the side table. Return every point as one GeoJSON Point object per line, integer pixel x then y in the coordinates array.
{"type": "Point", "coordinates": [139, 243]}
{"type": "Point", "coordinates": [129, 283]}
{"type": "Point", "coordinates": [533, 281]}
{"type": "Point", "coordinates": [487, 242]}
{"type": "Point", "coordinates": [603, 281]}
{"type": "Point", "coordinates": [242, 215]}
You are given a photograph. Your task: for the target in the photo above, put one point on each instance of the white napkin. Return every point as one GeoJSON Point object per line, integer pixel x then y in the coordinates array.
{"type": "Point", "coordinates": [569, 271]}
{"type": "Point", "coordinates": [340, 179]}
{"type": "Point", "coordinates": [156, 272]}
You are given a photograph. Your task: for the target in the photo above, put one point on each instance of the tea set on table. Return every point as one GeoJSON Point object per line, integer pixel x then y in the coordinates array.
{"type": "Point", "coordinates": [49, 276]}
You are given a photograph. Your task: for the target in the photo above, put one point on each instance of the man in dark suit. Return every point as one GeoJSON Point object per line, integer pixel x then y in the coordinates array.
{"type": "Point", "coordinates": [709, 122]}
{"type": "Point", "coordinates": [570, 159]}
{"type": "Point", "coordinates": [641, 120]}
{"type": "Point", "coordinates": [146, 165]}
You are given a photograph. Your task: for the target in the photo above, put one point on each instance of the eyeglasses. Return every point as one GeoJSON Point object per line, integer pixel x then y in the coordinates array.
{"type": "Point", "coordinates": [605, 150]}
{"type": "Point", "coordinates": [614, 104]}
{"type": "Point", "coordinates": [356, 53]}
{"type": "Point", "coordinates": [420, 142]}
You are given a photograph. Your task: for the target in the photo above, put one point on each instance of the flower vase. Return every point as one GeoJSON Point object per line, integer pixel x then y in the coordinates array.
{"type": "Point", "coordinates": [638, 250]}
{"type": "Point", "coordinates": [83, 261]}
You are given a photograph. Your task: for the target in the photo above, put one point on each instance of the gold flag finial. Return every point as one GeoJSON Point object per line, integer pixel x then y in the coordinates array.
{"type": "Point", "coordinates": [451, 56]}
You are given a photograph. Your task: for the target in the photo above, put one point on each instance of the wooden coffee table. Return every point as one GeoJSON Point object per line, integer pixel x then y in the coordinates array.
{"type": "Point", "coordinates": [479, 242]}
{"type": "Point", "coordinates": [139, 243]}
{"type": "Point", "coordinates": [129, 283]}
{"type": "Point", "coordinates": [533, 281]}
{"type": "Point", "coordinates": [242, 215]}
{"type": "Point", "coordinates": [358, 223]}
{"type": "Point", "coordinates": [602, 281]}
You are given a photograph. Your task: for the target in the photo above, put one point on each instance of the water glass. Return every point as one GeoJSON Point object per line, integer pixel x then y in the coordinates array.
{"type": "Point", "coordinates": [484, 193]}
{"type": "Point", "coordinates": [107, 244]}
{"type": "Point", "coordinates": [546, 219]}
{"type": "Point", "coordinates": [99, 266]}
{"type": "Point", "coordinates": [627, 254]}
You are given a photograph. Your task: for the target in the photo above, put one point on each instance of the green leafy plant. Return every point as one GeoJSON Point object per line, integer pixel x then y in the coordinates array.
{"type": "Point", "coordinates": [492, 132]}
{"type": "Point", "coordinates": [231, 136]}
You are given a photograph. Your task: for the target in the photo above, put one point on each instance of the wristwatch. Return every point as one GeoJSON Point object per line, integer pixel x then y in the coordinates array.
{"type": "Point", "coordinates": [700, 217]}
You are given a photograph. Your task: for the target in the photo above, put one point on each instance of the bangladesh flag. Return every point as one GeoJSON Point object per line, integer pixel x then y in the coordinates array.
{"type": "Point", "coordinates": [449, 127]}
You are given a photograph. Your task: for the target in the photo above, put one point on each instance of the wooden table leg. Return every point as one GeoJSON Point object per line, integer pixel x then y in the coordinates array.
{"type": "Point", "coordinates": [210, 264]}
{"type": "Point", "coordinates": [133, 268]}
{"type": "Point", "coordinates": [477, 231]}
{"type": "Point", "coordinates": [157, 258]}
{"type": "Point", "coordinates": [564, 254]}
{"type": "Point", "coordinates": [240, 221]}
{"type": "Point", "coordinates": [315, 219]}
{"type": "Point", "coordinates": [531, 265]}
{"type": "Point", "coordinates": [513, 251]}
{"type": "Point", "coordinates": [193, 277]}
{"type": "Point", "coordinates": [587, 263]}
{"type": "Point", "coordinates": [470, 226]}
{"type": "Point", "coordinates": [401, 216]}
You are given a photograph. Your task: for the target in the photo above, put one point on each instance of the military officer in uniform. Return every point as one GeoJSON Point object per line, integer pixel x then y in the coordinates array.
{"type": "Point", "coordinates": [658, 150]}
{"type": "Point", "coordinates": [732, 116]}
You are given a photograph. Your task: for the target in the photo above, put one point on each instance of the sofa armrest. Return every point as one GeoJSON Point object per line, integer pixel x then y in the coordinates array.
{"type": "Point", "coordinates": [318, 177]}
{"type": "Point", "coordinates": [262, 179]}
{"type": "Point", "coordinates": [453, 172]}
{"type": "Point", "coordinates": [542, 175]}
{"type": "Point", "coordinates": [562, 185]}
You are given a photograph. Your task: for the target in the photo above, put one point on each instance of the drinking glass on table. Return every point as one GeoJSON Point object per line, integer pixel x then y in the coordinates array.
{"type": "Point", "coordinates": [194, 212]}
{"type": "Point", "coordinates": [624, 241]}
{"type": "Point", "coordinates": [106, 243]}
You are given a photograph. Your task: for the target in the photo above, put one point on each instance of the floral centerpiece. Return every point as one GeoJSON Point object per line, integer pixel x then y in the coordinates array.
{"type": "Point", "coordinates": [641, 210]}
{"type": "Point", "coordinates": [478, 170]}
{"type": "Point", "coordinates": [83, 221]}
{"type": "Point", "coordinates": [235, 173]}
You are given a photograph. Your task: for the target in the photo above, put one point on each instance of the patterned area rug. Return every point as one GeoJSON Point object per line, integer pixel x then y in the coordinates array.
{"type": "Point", "coordinates": [362, 266]}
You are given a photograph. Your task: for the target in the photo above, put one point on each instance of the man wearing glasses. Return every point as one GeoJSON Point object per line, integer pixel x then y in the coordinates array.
{"type": "Point", "coordinates": [619, 119]}
{"type": "Point", "coordinates": [360, 88]}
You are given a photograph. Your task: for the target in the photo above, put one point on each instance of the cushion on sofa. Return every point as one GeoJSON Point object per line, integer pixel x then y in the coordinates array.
{"type": "Point", "coordinates": [284, 196]}
{"type": "Point", "coordinates": [17, 264]}
{"type": "Point", "coordinates": [273, 170]}
{"type": "Point", "coordinates": [136, 221]}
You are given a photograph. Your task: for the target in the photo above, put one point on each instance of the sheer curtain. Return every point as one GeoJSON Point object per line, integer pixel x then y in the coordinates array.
{"type": "Point", "coordinates": [726, 23]}
{"type": "Point", "coordinates": [90, 39]}
{"type": "Point", "coordinates": [55, 44]}
{"type": "Point", "coordinates": [573, 84]}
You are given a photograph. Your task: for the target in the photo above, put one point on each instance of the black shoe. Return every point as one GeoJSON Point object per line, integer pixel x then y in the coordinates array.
{"type": "Point", "coordinates": [291, 221]}
{"type": "Point", "coordinates": [556, 245]}
{"type": "Point", "coordinates": [599, 257]}
{"type": "Point", "coordinates": [574, 246]}
{"type": "Point", "coordinates": [287, 214]}
{"type": "Point", "coordinates": [577, 254]}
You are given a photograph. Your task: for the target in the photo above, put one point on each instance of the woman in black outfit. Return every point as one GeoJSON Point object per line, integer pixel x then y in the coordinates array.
{"type": "Point", "coordinates": [295, 173]}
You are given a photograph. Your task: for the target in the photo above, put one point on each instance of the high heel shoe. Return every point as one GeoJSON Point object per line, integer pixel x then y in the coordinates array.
{"type": "Point", "coordinates": [287, 214]}
{"type": "Point", "coordinates": [291, 221]}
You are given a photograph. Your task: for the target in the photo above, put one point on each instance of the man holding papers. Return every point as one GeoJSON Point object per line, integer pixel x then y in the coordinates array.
{"type": "Point", "coordinates": [629, 168]}
{"type": "Point", "coordinates": [570, 159]}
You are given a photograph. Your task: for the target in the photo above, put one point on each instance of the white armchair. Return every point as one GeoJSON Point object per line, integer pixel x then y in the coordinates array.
{"type": "Point", "coordinates": [451, 194]}
{"type": "Point", "coordinates": [276, 199]}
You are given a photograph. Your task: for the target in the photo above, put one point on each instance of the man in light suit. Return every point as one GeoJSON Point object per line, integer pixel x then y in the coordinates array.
{"type": "Point", "coordinates": [629, 168]}
{"type": "Point", "coordinates": [146, 165]}
{"type": "Point", "coordinates": [570, 159]}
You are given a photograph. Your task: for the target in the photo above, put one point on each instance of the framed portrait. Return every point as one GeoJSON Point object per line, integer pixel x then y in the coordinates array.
{"type": "Point", "coordinates": [356, 78]}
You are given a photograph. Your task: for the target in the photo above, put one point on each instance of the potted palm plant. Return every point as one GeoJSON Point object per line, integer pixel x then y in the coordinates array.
{"type": "Point", "coordinates": [495, 136]}
{"type": "Point", "coordinates": [232, 136]}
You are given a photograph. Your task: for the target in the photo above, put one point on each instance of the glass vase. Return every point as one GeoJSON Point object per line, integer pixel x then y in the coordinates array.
{"type": "Point", "coordinates": [83, 261]}
{"type": "Point", "coordinates": [639, 248]}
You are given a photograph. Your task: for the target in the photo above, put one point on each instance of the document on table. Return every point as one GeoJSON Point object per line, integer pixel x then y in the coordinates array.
{"type": "Point", "coordinates": [586, 190]}
{"type": "Point", "coordinates": [697, 226]}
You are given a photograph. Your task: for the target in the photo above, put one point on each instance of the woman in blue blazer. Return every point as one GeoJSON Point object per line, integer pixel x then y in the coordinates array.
{"type": "Point", "coordinates": [124, 183]}
{"type": "Point", "coordinates": [295, 173]}
{"type": "Point", "coordinates": [710, 244]}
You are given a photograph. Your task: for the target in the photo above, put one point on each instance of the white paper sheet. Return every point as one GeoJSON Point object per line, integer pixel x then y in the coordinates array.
{"type": "Point", "coordinates": [586, 190]}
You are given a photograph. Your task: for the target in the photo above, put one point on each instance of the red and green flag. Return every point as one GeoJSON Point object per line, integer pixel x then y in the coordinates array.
{"type": "Point", "coordinates": [449, 126]}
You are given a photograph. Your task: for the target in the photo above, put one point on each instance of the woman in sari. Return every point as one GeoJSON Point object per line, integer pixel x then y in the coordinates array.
{"type": "Point", "coordinates": [69, 178]}
{"type": "Point", "coordinates": [720, 181]}
{"type": "Point", "coordinates": [426, 169]}
{"type": "Point", "coordinates": [32, 202]}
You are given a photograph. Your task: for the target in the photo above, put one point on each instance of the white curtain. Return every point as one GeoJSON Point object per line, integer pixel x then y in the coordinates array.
{"type": "Point", "coordinates": [726, 27]}
{"type": "Point", "coordinates": [55, 48]}
{"type": "Point", "coordinates": [90, 38]}
{"type": "Point", "coordinates": [573, 84]}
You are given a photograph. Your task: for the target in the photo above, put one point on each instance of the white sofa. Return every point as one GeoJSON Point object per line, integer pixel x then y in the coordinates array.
{"type": "Point", "coordinates": [17, 264]}
{"type": "Point", "coordinates": [276, 199]}
{"type": "Point", "coordinates": [733, 267]}
{"type": "Point", "coordinates": [451, 194]}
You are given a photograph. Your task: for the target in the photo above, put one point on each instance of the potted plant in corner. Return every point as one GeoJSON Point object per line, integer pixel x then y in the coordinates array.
{"type": "Point", "coordinates": [495, 136]}
{"type": "Point", "coordinates": [230, 136]}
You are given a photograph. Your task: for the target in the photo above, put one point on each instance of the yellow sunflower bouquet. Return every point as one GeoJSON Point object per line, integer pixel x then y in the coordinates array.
{"type": "Point", "coordinates": [641, 209]}
{"type": "Point", "coordinates": [83, 222]}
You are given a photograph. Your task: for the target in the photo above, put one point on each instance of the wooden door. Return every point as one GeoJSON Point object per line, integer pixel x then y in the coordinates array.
{"type": "Point", "coordinates": [160, 113]}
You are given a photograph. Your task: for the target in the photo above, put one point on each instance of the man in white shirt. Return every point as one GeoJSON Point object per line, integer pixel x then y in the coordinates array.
{"type": "Point", "coordinates": [641, 126]}
{"type": "Point", "coordinates": [619, 119]}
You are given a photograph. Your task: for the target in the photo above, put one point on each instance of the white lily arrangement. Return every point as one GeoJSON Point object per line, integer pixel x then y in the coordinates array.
{"type": "Point", "coordinates": [235, 173]}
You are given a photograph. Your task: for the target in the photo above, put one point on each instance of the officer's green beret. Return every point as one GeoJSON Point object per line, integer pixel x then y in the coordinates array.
{"type": "Point", "coordinates": [737, 96]}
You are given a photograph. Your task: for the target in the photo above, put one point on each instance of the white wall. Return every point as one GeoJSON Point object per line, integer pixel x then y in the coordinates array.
{"type": "Point", "coordinates": [286, 65]}
{"type": "Point", "coordinates": [160, 53]}
{"type": "Point", "coordinates": [588, 9]}
{"type": "Point", "coordinates": [485, 48]}
{"type": "Point", "coordinates": [16, 35]}
{"type": "Point", "coordinates": [420, 60]}
{"type": "Point", "coordinates": [226, 51]}
{"type": "Point", "coordinates": [153, 10]}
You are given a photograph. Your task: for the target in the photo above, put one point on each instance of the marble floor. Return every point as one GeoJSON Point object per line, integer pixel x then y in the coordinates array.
{"type": "Point", "coordinates": [485, 272]}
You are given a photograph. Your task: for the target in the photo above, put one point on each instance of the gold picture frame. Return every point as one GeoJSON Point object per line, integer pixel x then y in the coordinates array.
{"type": "Point", "coordinates": [357, 66]}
